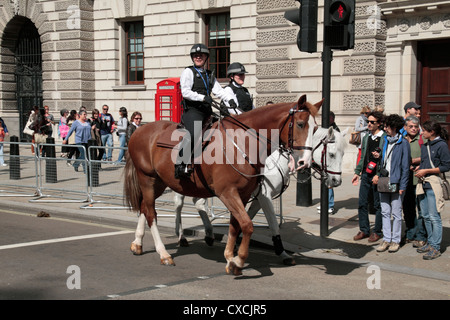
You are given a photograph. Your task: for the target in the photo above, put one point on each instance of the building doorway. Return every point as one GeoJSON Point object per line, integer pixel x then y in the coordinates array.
{"type": "Point", "coordinates": [28, 72]}
{"type": "Point", "coordinates": [434, 80]}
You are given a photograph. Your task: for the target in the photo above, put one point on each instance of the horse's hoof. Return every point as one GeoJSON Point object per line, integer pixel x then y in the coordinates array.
{"type": "Point", "coordinates": [136, 249]}
{"type": "Point", "coordinates": [289, 262]}
{"type": "Point", "coordinates": [183, 243]}
{"type": "Point", "coordinates": [233, 269]}
{"type": "Point", "coordinates": [167, 261]}
{"type": "Point", "coordinates": [209, 241]}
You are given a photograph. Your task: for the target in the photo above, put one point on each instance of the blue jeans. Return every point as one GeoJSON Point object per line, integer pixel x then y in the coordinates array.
{"type": "Point", "coordinates": [415, 228]}
{"type": "Point", "coordinates": [432, 218]}
{"type": "Point", "coordinates": [122, 141]}
{"type": "Point", "coordinates": [107, 140]}
{"type": "Point", "coordinates": [330, 198]}
{"type": "Point", "coordinates": [365, 188]}
{"type": "Point", "coordinates": [81, 158]}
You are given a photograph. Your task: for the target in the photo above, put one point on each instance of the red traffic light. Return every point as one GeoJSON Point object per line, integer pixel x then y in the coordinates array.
{"type": "Point", "coordinates": [339, 12]}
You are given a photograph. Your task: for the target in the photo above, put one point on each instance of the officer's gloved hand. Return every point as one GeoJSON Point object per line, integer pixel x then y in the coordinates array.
{"type": "Point", "coordinates": [208, 100]}
{"type": "Point", "coordinates": [224, 110]}
{"type": "Point", "coordinates": [232, 104]}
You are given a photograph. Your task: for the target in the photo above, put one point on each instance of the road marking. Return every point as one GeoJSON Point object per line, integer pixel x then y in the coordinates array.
{"type": "Point", "coordinates": [89, 236]}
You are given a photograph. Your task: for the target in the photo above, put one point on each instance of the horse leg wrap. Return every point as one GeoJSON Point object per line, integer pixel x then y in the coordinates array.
{"type": "Point", "coordinates": [278, 244]}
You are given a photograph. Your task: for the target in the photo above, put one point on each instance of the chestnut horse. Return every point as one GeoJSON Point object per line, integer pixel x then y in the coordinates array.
{"type": "Point", "coordinates": [150, 169]}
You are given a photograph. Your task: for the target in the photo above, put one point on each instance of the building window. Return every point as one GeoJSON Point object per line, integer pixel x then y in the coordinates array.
{"type": "Point", "coordinates": [134, 32]}
{"type": "Point", "coordinates": [218, 40]}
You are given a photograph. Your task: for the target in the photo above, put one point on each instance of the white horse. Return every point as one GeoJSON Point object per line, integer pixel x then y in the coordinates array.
{"type": "Point", "coordinates": [200, 205]}
{"type": "Point", "coordinates": [276, 176]}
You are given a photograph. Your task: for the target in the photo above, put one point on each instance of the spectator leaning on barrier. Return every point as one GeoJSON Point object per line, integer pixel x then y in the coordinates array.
{"type": "Point", "coordinates": [82, 130]}
{"type": "Point", "coordinates": [435, 159]}
{"type": "Point", "coordinates": [136, 119]}
{"type": "Point", "coordinates": [415, 229]}
{"type": "Point", "coordinates": [106, 130]}
{"type": "Point", "coordinates": [366, 170]}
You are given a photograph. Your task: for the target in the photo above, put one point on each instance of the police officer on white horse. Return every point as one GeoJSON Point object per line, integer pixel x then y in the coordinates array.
{"type": "Point", "coordinates": [236, 72]}
{"type": "Point", "coordinates": [197, 84]}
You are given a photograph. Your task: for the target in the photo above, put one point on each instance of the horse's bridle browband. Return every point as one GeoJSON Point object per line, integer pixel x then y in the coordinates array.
{"type": "Point", "coordinates": [290, 116]}
{"type": "Point", "coordinates": [322, 170]}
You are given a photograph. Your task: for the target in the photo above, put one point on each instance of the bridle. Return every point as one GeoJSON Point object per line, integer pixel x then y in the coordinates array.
{"type": "Point", "coordinates": [322, 169]}
{"type": "Point", "coordinates": [290, 145]}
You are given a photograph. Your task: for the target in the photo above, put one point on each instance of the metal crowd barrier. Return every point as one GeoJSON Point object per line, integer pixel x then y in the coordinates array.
{"type": "Point", "coordinates": [95, 182]}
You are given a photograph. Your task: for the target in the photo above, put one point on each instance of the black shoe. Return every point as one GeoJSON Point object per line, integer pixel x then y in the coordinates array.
{"type": "Point", "coordinates": [182, 171]}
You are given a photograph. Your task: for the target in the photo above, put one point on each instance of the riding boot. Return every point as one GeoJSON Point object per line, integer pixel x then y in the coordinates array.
{"type": "Point", "coordinates": [182, 170]}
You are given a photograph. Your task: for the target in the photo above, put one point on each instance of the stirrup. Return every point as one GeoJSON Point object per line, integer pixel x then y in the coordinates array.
{"type": "Point", "coordinates": [182, 171]}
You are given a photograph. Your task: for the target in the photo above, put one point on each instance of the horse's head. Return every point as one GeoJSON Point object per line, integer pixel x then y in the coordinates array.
{"type": "Point", "coordinates": [298, 134]}
{"type": "Point", "coordinates": [329, 147]}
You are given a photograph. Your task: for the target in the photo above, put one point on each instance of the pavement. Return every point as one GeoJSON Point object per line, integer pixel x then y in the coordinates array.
{"type": "Point", "coordinates": [300, 228]}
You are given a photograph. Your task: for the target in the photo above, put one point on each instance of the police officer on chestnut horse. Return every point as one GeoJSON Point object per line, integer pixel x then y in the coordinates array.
{"type": "Point", "coordinates": [197, 84]}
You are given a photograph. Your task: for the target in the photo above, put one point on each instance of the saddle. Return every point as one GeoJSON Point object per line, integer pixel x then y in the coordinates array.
{"type": "Point", "coordinates": [165, 139]}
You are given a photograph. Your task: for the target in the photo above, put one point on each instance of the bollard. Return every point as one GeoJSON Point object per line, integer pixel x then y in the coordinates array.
{"type": "Point", "coordinates": [14, 161]}
{"type": "Point", "coordinates": [304, 188]}
{"type": "Point", "coordinates": [50, 161]}
{"type": "Point", "coordinates": [94, 165]}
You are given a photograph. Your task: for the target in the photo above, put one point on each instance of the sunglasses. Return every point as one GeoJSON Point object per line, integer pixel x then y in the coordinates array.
{"type": "Point", "coordinates": [373, 122]}
{"type": "Point", "coordinates": [137, 118]}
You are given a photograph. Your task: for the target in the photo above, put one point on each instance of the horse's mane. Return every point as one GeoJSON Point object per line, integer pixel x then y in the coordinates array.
{"type": "Point", "coordinates": [264, 110]}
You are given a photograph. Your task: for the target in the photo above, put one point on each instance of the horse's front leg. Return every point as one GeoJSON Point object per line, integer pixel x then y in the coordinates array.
{"type": "Point", "coordinates": [239, 220]}
{"type": "Point", "coordinates": [136, 245]}
{"type": "Point", "coordinates": [166, 258]}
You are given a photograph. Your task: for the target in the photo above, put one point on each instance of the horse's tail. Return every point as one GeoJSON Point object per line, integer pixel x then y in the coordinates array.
{"type": "Point", "coordinates": [131, 188]}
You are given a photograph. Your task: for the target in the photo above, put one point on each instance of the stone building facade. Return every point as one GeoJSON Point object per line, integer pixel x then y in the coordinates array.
{"type": "Point", "coordinates": [82, 46]}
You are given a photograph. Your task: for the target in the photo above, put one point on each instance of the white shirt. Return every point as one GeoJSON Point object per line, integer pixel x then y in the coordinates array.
{"type": "Point", "coordinates": [187, 81]}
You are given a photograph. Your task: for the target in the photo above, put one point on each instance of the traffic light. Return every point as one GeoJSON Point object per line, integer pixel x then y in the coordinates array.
{"type": "Point", "coordinates": [306, 18]}
{"type": "Point", "coordinates": [339, 23]}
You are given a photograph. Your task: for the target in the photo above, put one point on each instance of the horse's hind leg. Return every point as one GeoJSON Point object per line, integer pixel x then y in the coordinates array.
{"type": "Point", "coordinates": [136, 245]}
{"type": "Point", "coordinates": [200, 205]}
{"type": "Point", "coordinates": [154, 188]}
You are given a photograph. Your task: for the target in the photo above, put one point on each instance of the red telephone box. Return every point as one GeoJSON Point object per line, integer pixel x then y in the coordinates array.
{"type": "Point", "coordinates": [168, 100]}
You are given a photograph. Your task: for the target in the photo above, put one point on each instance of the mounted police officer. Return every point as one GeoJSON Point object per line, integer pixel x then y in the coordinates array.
{"type": "Point", "coordinates": [197, 84]}
{"type": "Point", "coordinates": [236, 72]}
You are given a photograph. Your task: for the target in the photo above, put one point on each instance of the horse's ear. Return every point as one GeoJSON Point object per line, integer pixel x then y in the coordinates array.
{"type": "Point", "coordinates": [319, 104]}
{"type": "Point", "coordinates": [301, 101]}
{"type": "Point", "coordinates": [331, 133]}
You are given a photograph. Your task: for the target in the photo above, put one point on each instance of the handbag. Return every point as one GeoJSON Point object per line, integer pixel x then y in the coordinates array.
{"type": "Point", "coordinates": [383, 181]}
{"type": "Point", "coordinates": [442, 179]}
{"type": "Point", "coordinates": [355, 138]}
{"type": "Point", "coordinates": [385, 186]}
{"type": "Point", "coordinates": [445, 187]}
{"type": "Point", "coordinates": [27, 129]}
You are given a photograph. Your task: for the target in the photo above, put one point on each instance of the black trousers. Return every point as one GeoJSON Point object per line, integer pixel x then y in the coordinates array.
{"type": "Point", "coordinates": [193, 122]}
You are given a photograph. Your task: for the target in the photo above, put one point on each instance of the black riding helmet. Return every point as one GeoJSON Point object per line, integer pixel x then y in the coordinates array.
{"type": "Point", "coordinates": [199, 47]}
{"type": "Point", "coordinates": [234, 68]}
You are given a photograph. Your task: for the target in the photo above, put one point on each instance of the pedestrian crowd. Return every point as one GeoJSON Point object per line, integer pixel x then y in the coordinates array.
{"type": "Point", "coordinates": [400, 168]}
